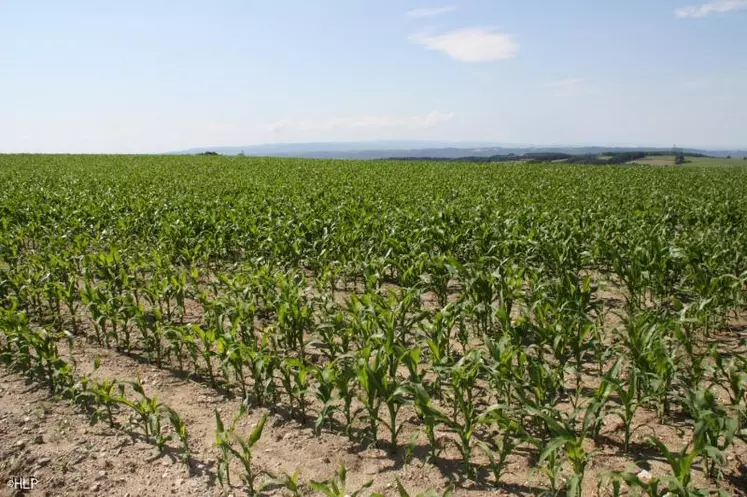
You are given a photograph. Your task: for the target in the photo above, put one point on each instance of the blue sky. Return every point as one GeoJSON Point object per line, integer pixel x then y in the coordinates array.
{"type": "Point", "coordinates": [159, 75]}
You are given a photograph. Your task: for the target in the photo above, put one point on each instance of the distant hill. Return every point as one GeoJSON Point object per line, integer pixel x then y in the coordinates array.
{"type": "Point", "coordinates": [306, 149]}
{"type": "Point", "coordinates": [436, 150]}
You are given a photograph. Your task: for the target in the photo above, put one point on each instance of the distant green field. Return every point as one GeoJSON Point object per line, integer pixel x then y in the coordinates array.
{"type": "Point", "coordinates": [668, 160]}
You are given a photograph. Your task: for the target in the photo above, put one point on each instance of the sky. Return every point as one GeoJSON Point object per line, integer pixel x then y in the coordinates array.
{"type": "Point", "coordinates": [152, 76]}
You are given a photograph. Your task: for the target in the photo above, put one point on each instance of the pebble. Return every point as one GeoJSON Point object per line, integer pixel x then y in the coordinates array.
{"type": "Point", "coordinates": [95, 487]}
{"type": "Point", "coordinates": [44, 461]}
{"type": "Point", "coordinates": [101, 475]}
{"type": "Point", "coordinates": [644, 476]}
{"type": "Point", "coordinates": [21, 444]}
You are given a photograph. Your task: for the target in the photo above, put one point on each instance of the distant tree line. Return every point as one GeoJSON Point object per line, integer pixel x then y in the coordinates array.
{"type": "Point", "coordinates": [610, 158]}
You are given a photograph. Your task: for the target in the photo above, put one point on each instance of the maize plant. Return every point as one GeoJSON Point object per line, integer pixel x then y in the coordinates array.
{"type": "Point", "coordinates": [465, 414]}
{"type": "Point", "coordinates": [148, 411]}
{"type": "Point", "coordinates": [226, 439]}
{"type": "Point", "coordinates": [337, 485]}
{"type": "Point", "coordinates": [678, 483]}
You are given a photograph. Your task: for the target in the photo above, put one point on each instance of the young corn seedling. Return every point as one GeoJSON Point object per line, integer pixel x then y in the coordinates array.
{"type": "Point", "coordinates": [263, 364]}
{"type": "Point", "coordinates": [152, 331]}
{"type": "Point", "coordinates": [94, 302]}
{"type": "Point", "coordinates": [714, 428]}
{"type": "Point", "coordinates": [69, 294]}
{"type": "Point", "coordinates": [345, 383]}
{"type": "Point", "coordinates": [628, 396]}
{"type": "Point", "coordinates": [223, 464]}
{"type": "Point", "coordinates": [206, 344]}
{"type": "Point", "coordinates": [294, 314]}
{"type": "Point", "coordinates": [438, 340]}
{"type": "Point", "coordinates": [295, 376]}
{"type": "Point", "coordinates": [224, 439]}
{"type": "Point", "coordinates": [175, 340]}
{"type": "Point", "coordinates": [465, 415]}
{"type": "Point", "coordinates": [235, 354]}
{"type": "Point", "coordinates": [337, 485]}
{"type": "Point", "coordinates": [732, 376]}
{"type": "Point", "coordinates": [290, 483]}
{"type": "Point", "coordinates": [106, 397]}
{"type": "Point", "coordinates": [148, 411]}
{"type": "Point", "coordinates": [648, 342]}
{"type": "Point", "coordinates": [427, 414]}
{"type": "Point", "coordinates": [370, 370]}
{"type": "Point", "coordinates": [326, 378]}
{"type": "Point", "coordinates": [180, 428]}
{"type": "Point", "coordinates": [334, 332]}
{"type": "Point", "coordinates": [678, 483]}
{"type": "Point", "coordinates": [244, 455]}
{"type": "Point", "coordinates": [510, 435]}
{"type": "Point", "coordinates": [428, 493]}
{"type": "Point", "coordinates": [566, 441]}
{"type": "Point", "coordinates": [552, 456]}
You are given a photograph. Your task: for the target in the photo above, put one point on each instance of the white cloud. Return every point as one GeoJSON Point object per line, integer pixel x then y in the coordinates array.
{"type": "Point", "coordinates": [572, 87]}
{"type": "Point", "coordinates": [714, 7]}
{"type": "Point", "coordinates": [430, 11]}
{"type": "Point", "coordinates": [426, 121]}
{"type": "Point", "coordinates": [470, 44]}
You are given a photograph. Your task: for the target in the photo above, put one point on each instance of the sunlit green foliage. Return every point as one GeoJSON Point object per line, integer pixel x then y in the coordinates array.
{"type": "Point", "coordinates": [470, 296]}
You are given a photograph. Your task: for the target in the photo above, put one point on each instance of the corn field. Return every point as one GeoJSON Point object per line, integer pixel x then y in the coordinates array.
{"type": "Point", "coordinates": [556, 324]}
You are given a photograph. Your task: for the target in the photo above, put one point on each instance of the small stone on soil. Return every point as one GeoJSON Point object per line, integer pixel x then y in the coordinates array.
{"type": "Point", "coordinates": [644, 476]}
